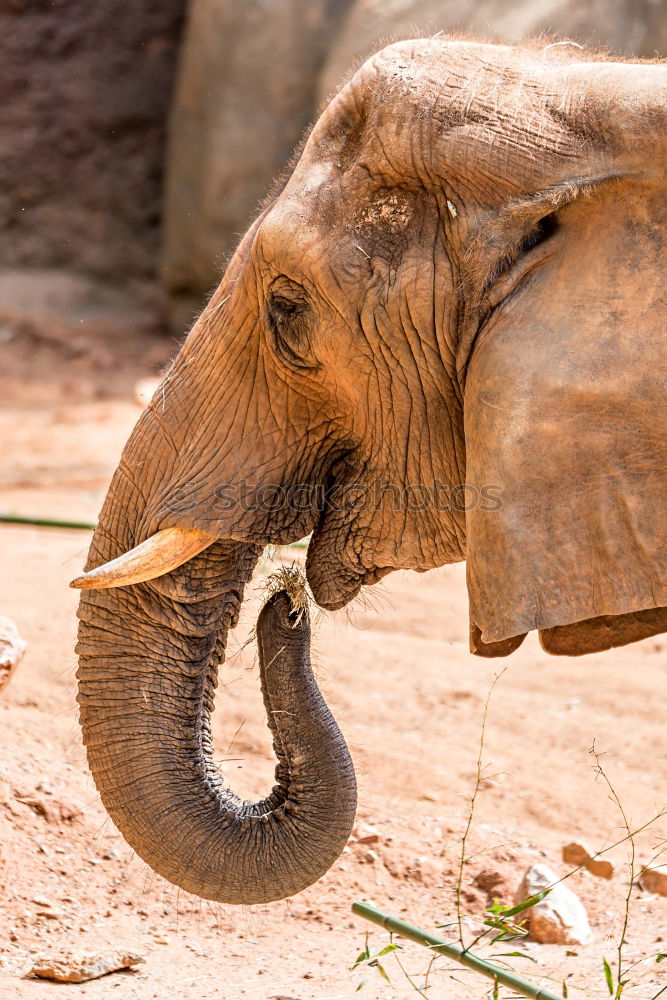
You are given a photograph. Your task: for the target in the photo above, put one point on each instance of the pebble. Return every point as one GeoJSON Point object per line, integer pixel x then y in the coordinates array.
{"type": "Point", "coordinates": [654, 879]}
{"type": "Point", "coordinates": [578, 854]}
{"type": "Point", "coordinates": [364, 833]}
{"type": "Point", "coordinates": [575, 854]}
{"type": "Point", "coordinates": [12, 648]}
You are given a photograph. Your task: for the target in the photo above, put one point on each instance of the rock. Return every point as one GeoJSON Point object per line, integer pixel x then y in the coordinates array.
{"type": "Point", "coordinates": [18, 962]}
{"type": "Point", "coordinates": [364, 833]}
{"type": "Point", "coordinates": [488, 880]}
{"type": "Point", "coordinates": [12, 648]}
{"type": "Point", "coordinates": [371, 857]}
{"type": "Point", "coordinates": [654, 879]}
{"type": "Point", "coordinates": [42, 901]}
{"type": "Point", "coordinates": [245, 92]}
{"type": "Point", "coordinates": [83, 144]}
{"type": "Point", "coordinates": [626, 27]}
{"type": "Point", "coordinates": [577, 854]}
{"type": "Point", "coordinates": [600, 867]}
{"type": "Point", "coordinates": [53, 810]}
{"type": "Point", "coordinates": [79, 967]}
{"type": "Point", "coordinates": [77, 313]}
{"type": "Point", "coordinates": [560, 918]}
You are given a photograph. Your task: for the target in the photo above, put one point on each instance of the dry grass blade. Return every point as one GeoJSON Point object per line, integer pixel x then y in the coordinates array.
{"type": "Point", "coordinates": [293, 582]}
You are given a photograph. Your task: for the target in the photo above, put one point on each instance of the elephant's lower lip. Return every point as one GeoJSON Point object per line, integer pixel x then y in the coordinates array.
{"type": "Point", "coordinates": [334, 579]}
{"type": "Point", "coordinates": [372, 576]}
{"type": "Point", "coordinates": [334, 598]}
{"type": "Point", "coordinates": [332, 588]}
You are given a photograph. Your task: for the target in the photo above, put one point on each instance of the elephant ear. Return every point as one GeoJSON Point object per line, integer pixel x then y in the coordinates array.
{"type": "Point", "coordinates": [565, 422]}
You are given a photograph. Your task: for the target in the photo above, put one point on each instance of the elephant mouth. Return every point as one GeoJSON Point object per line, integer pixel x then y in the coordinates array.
{"type": "Point", "coordinates": [335, 572]}
{"type": "Point", "coordinates": [331, 590]}
{"type": "Point", "coordinates": [335, 576]}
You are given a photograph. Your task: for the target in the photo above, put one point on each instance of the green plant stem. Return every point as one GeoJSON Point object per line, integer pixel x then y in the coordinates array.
{"type": "Point", "coordinates": [473, 801]}
{"type": "Point", "coordinates": [453, 951]}
{"type": "Point", "coordinates": [630, 836]}
{"type": "Point", "coordinates": [409, 977]}
{"type": "Point", "coordinates": [46, 522]}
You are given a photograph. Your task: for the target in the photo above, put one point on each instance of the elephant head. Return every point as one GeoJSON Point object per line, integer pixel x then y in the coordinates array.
{"type": "Point", "coordinates": [439, 340]}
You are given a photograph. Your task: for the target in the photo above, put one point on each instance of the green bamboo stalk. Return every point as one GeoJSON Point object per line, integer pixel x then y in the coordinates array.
{"type": "Point", "coordinates": [454, 951]}
{"type": "Point", "coordinates": [46, 522]}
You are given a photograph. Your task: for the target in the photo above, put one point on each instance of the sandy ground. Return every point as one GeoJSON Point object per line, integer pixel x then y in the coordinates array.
{"type": "Point", "coordinates": [409, 698]}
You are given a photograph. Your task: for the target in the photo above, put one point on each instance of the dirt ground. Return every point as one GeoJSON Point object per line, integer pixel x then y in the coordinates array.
{"type": "Point", "coordinates": [408, 696]}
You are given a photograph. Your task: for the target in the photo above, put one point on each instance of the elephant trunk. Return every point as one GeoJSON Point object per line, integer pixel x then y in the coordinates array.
{"type": "Point", "coordinates": [149, 655]}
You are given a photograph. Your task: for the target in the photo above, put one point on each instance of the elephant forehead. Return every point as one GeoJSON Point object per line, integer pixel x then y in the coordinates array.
{"type": "Point", "coordinates": [322, 213]}
{"type": "Point", "coordinates": [310, 197]}
{"type": "Point", "coordinates": [291, 231]}
{"type": "Point", "coordinates": [430, 109]}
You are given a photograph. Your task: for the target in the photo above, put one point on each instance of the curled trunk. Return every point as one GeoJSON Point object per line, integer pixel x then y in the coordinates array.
{"type": "Point", "coordinates": [148, 668]}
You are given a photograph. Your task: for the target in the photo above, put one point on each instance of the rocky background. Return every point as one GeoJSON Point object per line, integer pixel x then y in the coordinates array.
{"type": "Point", "coordinates": [107, 224]}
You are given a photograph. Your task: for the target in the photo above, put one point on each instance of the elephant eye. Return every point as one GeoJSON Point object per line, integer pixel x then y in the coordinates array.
{"type": "Point", "coordinates": [512, 258]}
{"type": "Point", "coordinates": [545, 228]}
{"type": "Point", "coordinates": [289, 318]}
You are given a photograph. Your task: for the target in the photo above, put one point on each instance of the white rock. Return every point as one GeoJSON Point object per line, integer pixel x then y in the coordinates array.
{"type": "Point", "coordinates": [16, 963]}
{"type": "Point", "coordinates": [79, 967]}
{"type": "Point", "coordinates": [12, 648]}
{"type": "Point", "coordinates": [560, 918]}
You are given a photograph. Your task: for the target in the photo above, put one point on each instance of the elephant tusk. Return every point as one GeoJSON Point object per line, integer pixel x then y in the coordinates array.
{"type": "Point", "coordinates": [164, 551]}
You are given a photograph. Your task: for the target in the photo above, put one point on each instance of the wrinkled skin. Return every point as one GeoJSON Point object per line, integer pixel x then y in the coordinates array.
{"type": "Point", "coordinates": [458, 283]}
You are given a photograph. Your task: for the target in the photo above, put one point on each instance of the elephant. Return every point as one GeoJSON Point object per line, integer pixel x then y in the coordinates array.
{"type": "Point", "coordinates": [440, 340]}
